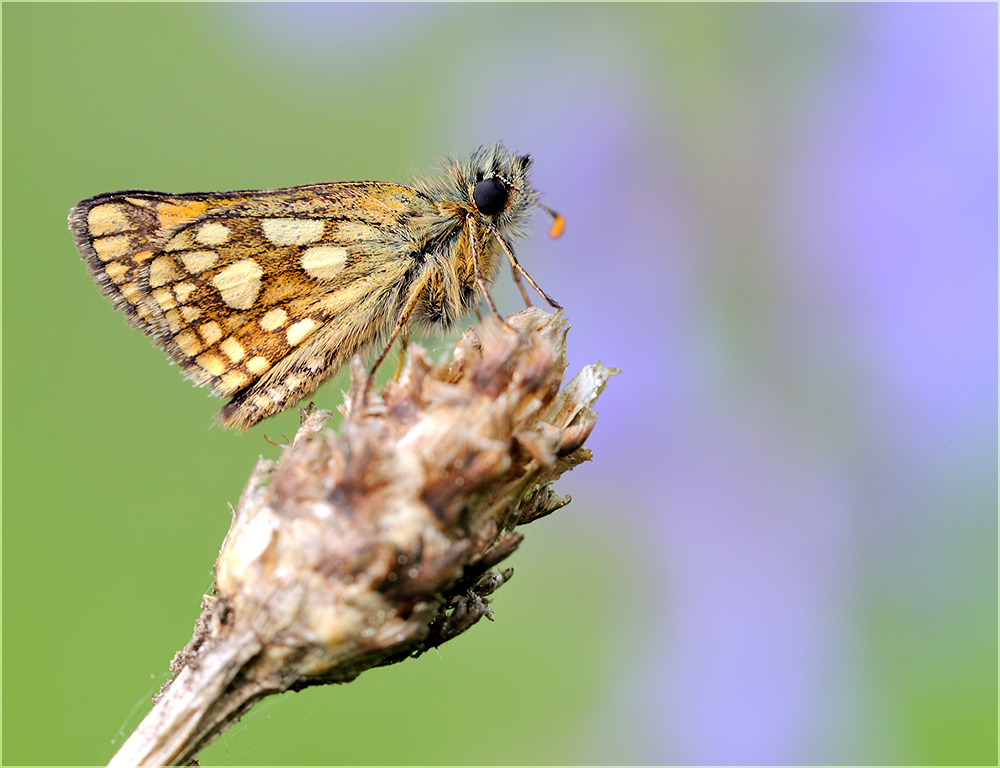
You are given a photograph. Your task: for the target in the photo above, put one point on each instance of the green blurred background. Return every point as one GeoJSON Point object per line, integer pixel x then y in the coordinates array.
{"type": "Point", "coordinates": [785, 550]}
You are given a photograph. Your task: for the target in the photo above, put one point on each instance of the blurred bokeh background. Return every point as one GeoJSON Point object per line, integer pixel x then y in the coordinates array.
{"type": "Point", "coordinates": [781, 226]}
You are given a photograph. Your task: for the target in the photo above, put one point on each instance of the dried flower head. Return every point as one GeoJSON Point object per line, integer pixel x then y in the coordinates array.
{"type": "Point", "coordinates": [364, 548]}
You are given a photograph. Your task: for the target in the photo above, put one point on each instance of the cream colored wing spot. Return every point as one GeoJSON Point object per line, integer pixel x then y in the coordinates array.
{"type": "Point", "coordinates": [174, 320]}
{"type": "Point", "coordinates": [114, 247]}
{"type": "Point", "coordinates": [211, 363]}
{"type": "Point", "coordinates": [292, 231]}
{"type": "Point", "coordinates": [233, 382]}
{"type": "Point", "coordinates": [212, 233]}
{"type": "Point", "coordinates": [183, 291]}
{"type": "Point", "coordinates": [188, 342]}
{"type": "Point", "coordinates": [324, 262]}
{"type": "Point", "coordinates": [165, 298]}
{"type": "Point", "coordinates": [257, 364]}
{"type": "Point", "coordinates": [144, 308]}
{"type": "Point", "coordinates": [239, 283]}
{"type": "Point", "coordinates": [298, 332]}
{"type": "Point", "coordinates": [163, 270]}
{"type": "Point", "coordinates": [190, 313]}
{"type": "Point", "coordinates": [354, 231]}
{"type": "Point", "coordinates": [182, 241]}
{"type": "Point", "coordinates": [117, 271]}
{"type": "Point", "coordinates": [232, 349]}
{"type": "Point", "coordinates": [273, 320]}
{"type": "Point", "coordinates": [210, 332]}
{"type": "Point", "coordinates": [130, 291]}
{"type": "Point", "coordinates": [263, 401]}
{"type": "Point", "coordinates": [107, 219]}
{"type": "Point", "coordinates": [198, 261]}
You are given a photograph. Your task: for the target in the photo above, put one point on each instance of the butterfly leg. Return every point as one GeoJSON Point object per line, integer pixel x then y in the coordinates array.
{"type": "Point", "coordinates": [401, 329]}
{"type": "Point", "coordinates": [404, 342]}
{"type": "Point", "coordinates": [520, 285]}
{"type": "Point", "coordinates": [517, 266]}
{"type": "Point", "coordinates": [480, 280]}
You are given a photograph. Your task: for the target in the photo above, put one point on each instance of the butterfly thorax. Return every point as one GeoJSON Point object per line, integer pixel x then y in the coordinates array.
{"type": "Point", "coordinates": [448, 285]}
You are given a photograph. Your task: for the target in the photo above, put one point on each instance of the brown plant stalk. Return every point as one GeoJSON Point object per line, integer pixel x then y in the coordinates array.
{"type": "Point", "coordinates": [365, 548]}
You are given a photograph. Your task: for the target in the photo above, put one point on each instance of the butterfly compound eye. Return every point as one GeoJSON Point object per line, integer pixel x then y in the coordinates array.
{"type": "Point", "coordinates": [490, 195]}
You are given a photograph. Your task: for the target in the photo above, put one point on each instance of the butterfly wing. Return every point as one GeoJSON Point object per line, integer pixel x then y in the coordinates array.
{"type": "Point", "coordinates": [260, 294]}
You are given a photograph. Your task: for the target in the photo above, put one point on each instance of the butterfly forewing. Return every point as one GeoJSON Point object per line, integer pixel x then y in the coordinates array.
{"type": "Point", "coordinates": [241, 289]}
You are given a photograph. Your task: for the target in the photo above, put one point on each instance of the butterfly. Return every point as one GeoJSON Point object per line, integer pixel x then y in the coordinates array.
{"type": "Point", "coordinates": [264, 294]}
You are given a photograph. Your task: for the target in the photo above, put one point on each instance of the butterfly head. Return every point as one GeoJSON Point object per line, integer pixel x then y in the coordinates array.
{"type": "Point", "coordinates": [496, 185]}
{"type": "Point", "coordinates": [492, 183]}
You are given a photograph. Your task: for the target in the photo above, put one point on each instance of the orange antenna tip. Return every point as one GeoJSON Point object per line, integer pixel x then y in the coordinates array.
{"type": "Point", "coordinates": [558, 222]}
{"type": "Point", "coordinates": [558, 225]}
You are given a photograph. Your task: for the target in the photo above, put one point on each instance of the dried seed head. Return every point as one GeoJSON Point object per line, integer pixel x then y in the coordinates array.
{"type": "Point", "coordinates": [355, 547]}
{"type": "Point", "coordinates": [362, 549]}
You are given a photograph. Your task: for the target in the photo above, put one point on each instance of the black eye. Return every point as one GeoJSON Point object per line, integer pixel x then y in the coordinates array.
{"type": "Point", "coordinates": [490, 196]}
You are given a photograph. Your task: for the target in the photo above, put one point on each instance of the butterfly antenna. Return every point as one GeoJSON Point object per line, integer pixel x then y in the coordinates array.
{"type": "Point", "coordinates": [558, 222]}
